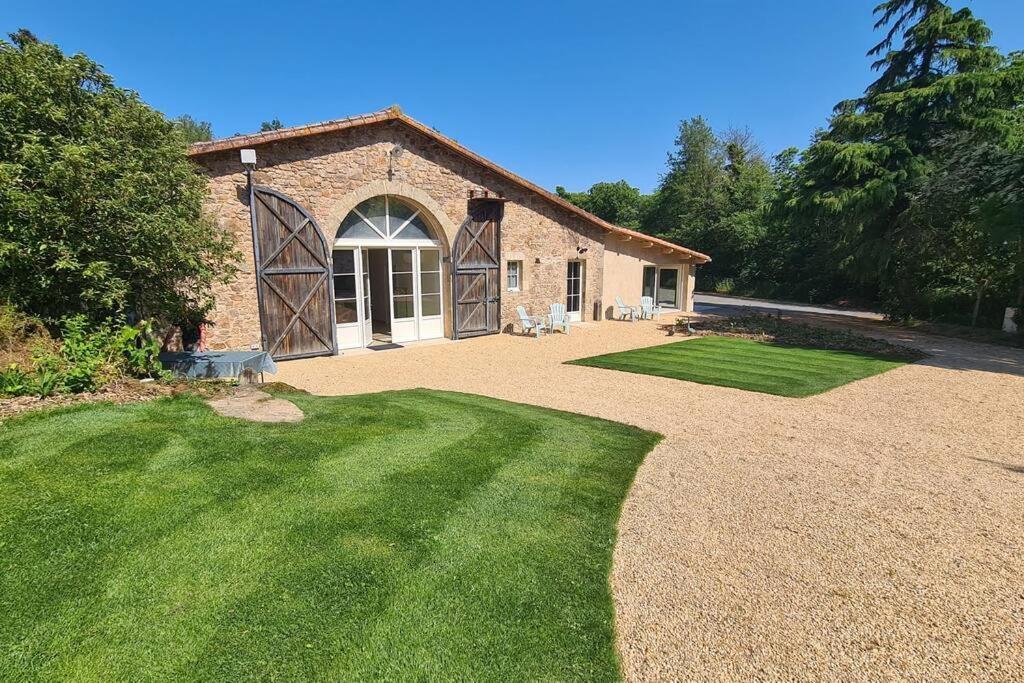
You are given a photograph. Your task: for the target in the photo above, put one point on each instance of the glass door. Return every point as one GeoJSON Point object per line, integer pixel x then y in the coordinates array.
{"type": "Point", "coordinates": [431, 323]}
{"type": "Point", "coordinates": [662, 285]}
{"type": "Point", "coordinates": [403, 296]}
{"type": "Point", "coordinates": [668, 287]}
{"type": "Point", "coordinates": [367, 320]}
{"type": "Point", "coordinates": [650, 279]}
{"type": "Point", "coordinates": [574, 290]}
{"type": "Point", "coordinates": [346, 300]}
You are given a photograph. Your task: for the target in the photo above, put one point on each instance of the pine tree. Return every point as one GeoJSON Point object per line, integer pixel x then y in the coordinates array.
{"type": "Point", "coordinates": [859, 174]}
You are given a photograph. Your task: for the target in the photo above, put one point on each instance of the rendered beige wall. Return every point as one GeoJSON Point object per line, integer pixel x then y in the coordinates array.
{"type": "Point", "coordinates": [329, 174]}
{"type": "Point", "coordinates": [624, 269]}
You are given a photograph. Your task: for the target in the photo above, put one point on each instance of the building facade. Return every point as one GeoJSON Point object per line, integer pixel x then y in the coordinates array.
{"type": "Point", "coordinates": [377, 229]}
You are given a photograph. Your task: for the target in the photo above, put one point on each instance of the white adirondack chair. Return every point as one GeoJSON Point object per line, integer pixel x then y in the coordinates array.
{"type": "Point", "coordinates": [625, 311]}
{"type": "Point", "coordinates": [558, 318]}
{"type": "Point", "coordinates": [531, 324]}
{"type": "Point", "coordinates": [648, 309]}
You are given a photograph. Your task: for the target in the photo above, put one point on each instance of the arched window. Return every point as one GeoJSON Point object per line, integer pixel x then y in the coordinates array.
{"type": "Point", "coordinates": [384, 218]}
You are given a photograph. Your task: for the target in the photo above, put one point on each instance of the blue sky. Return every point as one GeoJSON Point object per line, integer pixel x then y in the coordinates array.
{"type": "Point", "coordinates": [563, 93]}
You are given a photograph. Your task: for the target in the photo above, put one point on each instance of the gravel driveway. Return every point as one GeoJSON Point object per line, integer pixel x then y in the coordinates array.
{"type": "Point", "coordinates": [872, 532]}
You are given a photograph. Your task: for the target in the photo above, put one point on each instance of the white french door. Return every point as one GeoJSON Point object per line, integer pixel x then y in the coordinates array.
{"type": "Point", "coordinates": [429, 300]}
{"type": "Point", "coordinates": [403, 295]}
{"type": "Point", "coordinates": [345, 270]}
{"type": "Point", "coordinates": [416, 306]}
{"type": "Point", "coordinates": [574, 291]}
{"type": "Point", "coordinates": [367, 319]}
{"type": "Point", "coordinates": [415, 301]}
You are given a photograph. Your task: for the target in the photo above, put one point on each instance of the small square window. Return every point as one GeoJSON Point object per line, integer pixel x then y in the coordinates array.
{"type": "Point", "coordinates": [515, 275]}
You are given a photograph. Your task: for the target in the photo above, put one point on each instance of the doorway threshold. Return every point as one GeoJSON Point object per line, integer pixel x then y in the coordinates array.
{"type": "Point", "coordinates": [384, 347]}
{"type": "Point", "coordinates": [404, 346]}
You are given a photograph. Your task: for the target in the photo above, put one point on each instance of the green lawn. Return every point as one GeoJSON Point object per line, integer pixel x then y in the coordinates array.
{"type": "Point", "coordinates": [745, 364]}
{"type": "Point", "coordinates": [413, 534]}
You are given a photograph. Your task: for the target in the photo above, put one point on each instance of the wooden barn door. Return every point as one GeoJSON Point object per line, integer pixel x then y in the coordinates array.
{"type": "Point", "coordinates": [476, 259]}
{"type": "Point", "coordinates": [293, 277]}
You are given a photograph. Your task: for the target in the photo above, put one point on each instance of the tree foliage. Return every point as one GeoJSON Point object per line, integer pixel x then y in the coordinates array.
{"type": "Point", "coordinates": [100, 209]}
{"type": "Point", "coordinates": [619, 203]}
{"type": "Point", "coordinates": [193, 131]}
{"type": "Point", "coordinates": [273, 124]}
{"type": "Point", "coordinates": [939, 77]}
{"type": "Point", "coordinates": [713, 197]}
{"type": "Point", "coordinates": [912, 197]}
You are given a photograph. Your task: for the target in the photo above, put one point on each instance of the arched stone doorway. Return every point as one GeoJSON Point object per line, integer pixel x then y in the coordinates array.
{"type": "Point", "coordinates": [388, 273]}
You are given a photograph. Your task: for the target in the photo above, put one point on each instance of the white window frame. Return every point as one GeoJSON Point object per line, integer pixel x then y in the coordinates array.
{"type": "Point", "coordinates": [518, 267]}
{"type": "Point", "coordinates": [657, 284]}
{"type": "Point", "coordinates": [575, 315]}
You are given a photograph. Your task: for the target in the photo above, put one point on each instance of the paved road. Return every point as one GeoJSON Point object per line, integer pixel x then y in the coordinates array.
{"type": "Point", "coordinates": [714, 303]}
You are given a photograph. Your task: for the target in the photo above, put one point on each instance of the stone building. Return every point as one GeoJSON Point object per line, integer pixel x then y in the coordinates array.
{"type": "Point", "coordinates": [378, 229]}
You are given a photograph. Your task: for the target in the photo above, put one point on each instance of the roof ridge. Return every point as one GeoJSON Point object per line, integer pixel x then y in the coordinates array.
{"type": "Point", "coordinates": [260, 137]}
{"type": "Point", "coordinates": [395, 113]}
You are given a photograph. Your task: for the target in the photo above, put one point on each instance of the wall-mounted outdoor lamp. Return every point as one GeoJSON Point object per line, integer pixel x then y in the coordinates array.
{"type": "Point", "coordinates": [248, 157]}
{"type": "Point", "coordinates": [393, 154]}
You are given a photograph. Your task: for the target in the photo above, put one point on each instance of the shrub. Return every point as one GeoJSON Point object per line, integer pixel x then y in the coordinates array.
{"type": "Point", "coordinates": [101, 211]}
{"type": "Point", "coordinates": [20, 334]}
{"type": "Point", "coordinates": [93, 355]}
{"type": "Point", "coordinates": [16, 327]}
{"type": "Point", "coordinates": [14, 381]}
{"type": "Point", "coordinates": [46, 383]}
{"type": "Point", "coordinates": [724, 285]}
{"type": "Point", "coordinates": [87, 357]}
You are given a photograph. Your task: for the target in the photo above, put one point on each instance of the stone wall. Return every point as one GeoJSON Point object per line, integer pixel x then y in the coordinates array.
{"type": "Point", "coordinates": [330, 173]}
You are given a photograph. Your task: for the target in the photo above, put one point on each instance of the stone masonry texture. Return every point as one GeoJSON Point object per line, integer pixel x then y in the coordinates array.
{"type": "Point", "coordinates": [322, 172]}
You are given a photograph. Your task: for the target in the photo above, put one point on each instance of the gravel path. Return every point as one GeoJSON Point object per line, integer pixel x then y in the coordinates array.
{"type": "Point", "coordinates": [872, 532]}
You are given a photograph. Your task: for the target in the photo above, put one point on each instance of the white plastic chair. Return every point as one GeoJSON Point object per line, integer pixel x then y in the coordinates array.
{"type": "Point", "coordinates": [625, 311]}
{"type": "Point", "coordinates": [558, 318]}
{"type": "Point", "coordinates": [531, 324]}
{"type": "Point", "coordinates": [648, 309]}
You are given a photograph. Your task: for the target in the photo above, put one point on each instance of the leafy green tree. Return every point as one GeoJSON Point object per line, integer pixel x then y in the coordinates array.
{"type": "Point", "coordinates": [273, 124]}
{"type": "Point", "coordinates": [967, 227]}
{"type": "Point", "coordinates": [619, 203]}
{"type": "Point", "coordinates": [100, 209]}
{"type": "Point", "coordinates": [713, 198]}
{"type": "Point", "coordinates": [860, 174]}
{"type": "Point", "coordinates": [192, 130]}
{"type": "Point", "coordinates": [691, 195]}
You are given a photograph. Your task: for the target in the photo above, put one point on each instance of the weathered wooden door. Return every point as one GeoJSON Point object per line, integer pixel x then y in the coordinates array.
{"type": "Point", "coordinates": [476, 259]}
{"type": "Point", "coordinates": [293, 277]}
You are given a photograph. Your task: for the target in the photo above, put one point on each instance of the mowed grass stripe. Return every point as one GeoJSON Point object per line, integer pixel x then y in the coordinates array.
{"type": "Point", "coordinates": [399, 535]}
{"type": "Point", "coordinates": [710, 362]}
{"type": "Point", "coordinates": [761, 353]}
{"type": "Point", "coordinates": [710, 371]}
{"type": "Point", "coordinates": [746, 361]}
{"type": "Point", "coordinates": [737, 379]}
{"type": "Point", "coordinates": [747, 364]}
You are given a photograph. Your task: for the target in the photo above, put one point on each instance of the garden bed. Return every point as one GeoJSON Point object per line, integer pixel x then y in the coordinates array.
{"type": "Point", "coordinates": [766, 328]}
{"type": "Point", "coordinates": [118, 392]}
